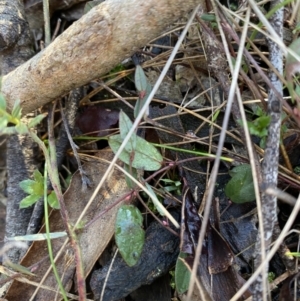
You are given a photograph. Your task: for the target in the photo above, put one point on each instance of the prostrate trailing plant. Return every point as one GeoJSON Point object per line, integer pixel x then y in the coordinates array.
{"type": "Point", "coordinates": [138, 155]}
{"type": "Point", "coordinates": [11, 123]}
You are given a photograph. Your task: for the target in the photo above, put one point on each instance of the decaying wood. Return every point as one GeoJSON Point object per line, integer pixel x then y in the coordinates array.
{"type": "Point", "coordinates": [92, 46]}
{"type": "Point", "coordinates": [92, 239]}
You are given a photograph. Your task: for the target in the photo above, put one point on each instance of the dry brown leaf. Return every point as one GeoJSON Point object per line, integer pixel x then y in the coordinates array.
{"type": "Point", "coordinates": [93, 240]}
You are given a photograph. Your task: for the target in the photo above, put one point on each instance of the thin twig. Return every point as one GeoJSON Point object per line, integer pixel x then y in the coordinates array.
{"type": "Point", "coordinates": [211, 187]}
{"type": "Point", "coordinates": [53, 174]}
{"type": "Point", "coordinates": [49, 245]}
{"type": "Point", "coordinates": [46, 12]}
{"type": "Point", "coordinates": [85, 180]}
{"type": "Point", "coordinates": [56, 29]}
{"type": "Point", "coordinates": [106, 87]}
{"type": "Point", "coordinates": [107, 275]}
{"type": "Point", "coordinates": [271, 156]}
{"type": "Point", "coordinates": [272, 252]}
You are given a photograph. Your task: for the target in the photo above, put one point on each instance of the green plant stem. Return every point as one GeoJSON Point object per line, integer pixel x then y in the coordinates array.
{"type": "Point", "coordinates": [196, 153]}
{"type": "Point", "coordinates": [41, 144]}
{"type": "Point", "coordinates": [50, 251]}
{"type": "Point", "coordinates": [50, 159]}
{"type": "Point", "coordinates": [64, 214]}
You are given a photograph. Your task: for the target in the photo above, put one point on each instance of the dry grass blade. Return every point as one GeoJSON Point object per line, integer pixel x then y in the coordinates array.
{"type": "Point", "coordinates": [213, 176]}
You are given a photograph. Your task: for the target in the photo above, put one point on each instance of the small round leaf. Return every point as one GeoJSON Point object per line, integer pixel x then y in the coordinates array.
{"type": "Point", "coordinates": [129, 235]}
{"type": "Point", "coordinates": [145, 156]}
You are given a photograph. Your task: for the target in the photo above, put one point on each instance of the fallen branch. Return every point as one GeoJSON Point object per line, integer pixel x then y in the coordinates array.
{"type": "Point", "coordinates": [89, 48]}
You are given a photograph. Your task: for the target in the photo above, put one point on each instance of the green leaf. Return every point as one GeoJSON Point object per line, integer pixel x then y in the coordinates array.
{"type": "Point", "coordinates": [140, 79]}
{"type": "Point", "coordinates": [9, 130]}
{"type": "Point", "coordinates": [38, 177]}
{"type": "Point", "coordinates": [208, 17]}
{"type": "Point", "coordinates": [240, 188]}
{"type": "Point", "coordinates": [295, 254]}
{"type": "Point", "coordinates": [158, 205]}
{"type": "Point", "coordinates": [141, 101]}
{"type": "Point", "coordinates": [145, 157]}
{"type": "Point", "coordinates": [216, 115]}
{"type": "Point", "coordinates": [80, 225]}
{"type": "Point", "coordinates": [259, 127]}
{"type": "Point", "coordinates": [169, 189]}
{"type": "Point", "coordinates": [33, 187]}
{"type": "Point", "coordinates": [16, 111]}
{"type": "Point", "coordinates": [90, 4]}
{"type": "Point", "coordinates": [125, 125]}
{"type": "Point", "coordinates": [53, 201]}
{"type": "Point", "coordinates": [21, 128]}
{"type": "Point", "coordinates": [3, 123]}
{"type": "Point", "coordinates": [240, 169]}
{"type": "Point", "coordinates": [36, 120]}
{"type": "Point", "coordinates": [27, 186]}
{"type": "Point", "coordinates": [29, 201]}
{"type": "Point", "coordinates": [176, 183]}
{"type": "Point", "coordinates": [133, 172]}
{"type": "Point", "coordinates": [129, 235]}
{"type": "Point", "coordinates": [19, 268]}
{"type": "Point", "coordinates": [271, 277]}
{"type": "Point", "coordinates": [258, 111]}
{"type": "Point", "coordinates": [262, 122]}
{"type": "Point", "coordinates": [38, 237]}
{"type": "Point", "coordinates": [263, 142]}
{"type": "Point", "coordinates": [137, 108]}
{"type": "Point", "coordinates": [2, 102]}
{"type": "Point", "coordinates": [182, 274]}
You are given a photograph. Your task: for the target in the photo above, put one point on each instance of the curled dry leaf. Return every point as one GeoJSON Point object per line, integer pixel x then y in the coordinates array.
{"type": "Point", "coordinates": [215, 271]}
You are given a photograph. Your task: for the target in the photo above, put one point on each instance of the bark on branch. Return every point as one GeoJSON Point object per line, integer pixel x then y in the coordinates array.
{"type": "Point", "coordinates": [89, 48]}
